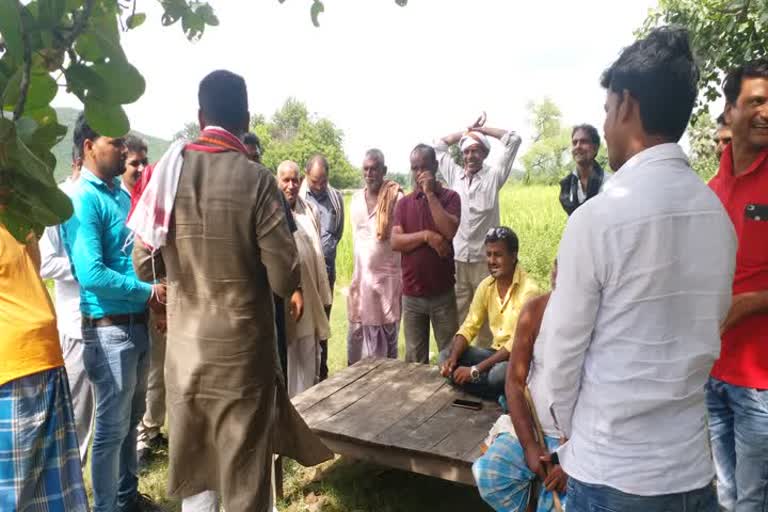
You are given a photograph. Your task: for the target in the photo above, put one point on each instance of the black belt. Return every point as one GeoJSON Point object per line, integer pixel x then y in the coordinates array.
{"type": "Point", "coordinates": [107, 320]}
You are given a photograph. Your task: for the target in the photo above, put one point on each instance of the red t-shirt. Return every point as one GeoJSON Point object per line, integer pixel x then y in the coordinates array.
{"type": "Point", "coordinates": [744, 353]}
{"type": "Point", "coordinates": [425, 274]}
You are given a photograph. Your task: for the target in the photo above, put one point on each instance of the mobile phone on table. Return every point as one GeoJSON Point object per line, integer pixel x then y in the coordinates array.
{"type": "Point", "coordinates": [474, 405]}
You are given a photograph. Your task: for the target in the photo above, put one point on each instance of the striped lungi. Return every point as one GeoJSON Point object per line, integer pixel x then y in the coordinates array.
{"type": "Point", "coordinates": [39, 454]}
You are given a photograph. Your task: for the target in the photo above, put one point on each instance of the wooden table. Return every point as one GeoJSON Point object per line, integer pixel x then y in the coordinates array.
{"type": "Point", "coordinates": [400, 415]}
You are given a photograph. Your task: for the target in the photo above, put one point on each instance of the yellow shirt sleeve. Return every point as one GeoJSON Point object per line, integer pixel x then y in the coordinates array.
{"type": "Point", "coordinates": [478, 312]}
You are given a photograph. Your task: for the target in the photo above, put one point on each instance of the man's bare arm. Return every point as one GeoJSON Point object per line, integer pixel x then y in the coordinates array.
{"type": "Point", "coordinates": [446, 223]}
{"type": "Point", "coordinates": [745, 305]}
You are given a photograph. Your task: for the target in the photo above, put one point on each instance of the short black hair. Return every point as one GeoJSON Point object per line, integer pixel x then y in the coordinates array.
{"type": "Point", "coordinates": [503, 234]}
{"type": "Point", "coordinates": [591, 131]}
{"type": "Point", "coordinates": [732, 82]}
{"type": "Point", "coordinates": [223, 100]}
{"type": "Point", "coordinates": [251, 139]}
{"type": "Point", "coordinates": [81, 133]}
{"type": "Point", "coordinates": [318, 158]}
{"type": "Point", "coordinates": [77, 152]}
{"type": "Point", "coordinates": [135, 144]}
{"type": "Point", "coordinates": [721, 120]}
{"type": "Point", "coordinates": [429, 151]}
{"type": "Point", "coordinates": [659, 72]}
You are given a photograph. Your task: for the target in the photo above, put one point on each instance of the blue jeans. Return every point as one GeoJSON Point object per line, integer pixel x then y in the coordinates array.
{"type": "Point", "coordinates": [584, 497]}
{"type": "Point", "coordinates": [491, 383]}
{"type": "Point", "coordinates": [738, 429]}
{"type": "Point", "coordinates": [117, 361]}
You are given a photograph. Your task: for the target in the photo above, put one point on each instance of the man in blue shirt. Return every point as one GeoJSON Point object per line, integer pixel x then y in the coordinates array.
{"type": "Point", "coordinates": [114, 304]}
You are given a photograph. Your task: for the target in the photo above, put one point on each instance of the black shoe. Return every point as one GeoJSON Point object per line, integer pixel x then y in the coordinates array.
{"type": "Point", "coordinates": [142, 503]}
{"type": "Point", "coordinates": [159, 442]}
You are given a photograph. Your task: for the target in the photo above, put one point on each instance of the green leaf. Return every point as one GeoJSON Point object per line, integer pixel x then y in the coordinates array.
{"type": "Point", "coordinates": [10, 27]}
{"type": "Point", "coordinates": [42, 90]}
{"type": "Point", "coordinates": [401, 3]}
{"type": "Point", "coordinates": [193, 26]}
{"type": "Point", "coordinates": [120, 82]}
{"type": "Point", "coordinates": [101, 40]}
{"type": "Point", "coordinates": [31, 166]}
{"type": "Point", "coordinates": [205, 12]}
{"type": "Point", "coordinates": [44, 116]}
{"type": "Point", "coordinates": [174, 9]}
{"type": "Point", "coordinates": [108, 120]}
{"type": "Point", "coordinates": [135, 20]}
{"type": "Point", "coordinates": [315, 10]}
{"type": "Point", "coordinates": [25, 128]}
{"type": "Point", "coordinates": [50, 12]}
{"type": "Point", "coordinates": [82, 79]}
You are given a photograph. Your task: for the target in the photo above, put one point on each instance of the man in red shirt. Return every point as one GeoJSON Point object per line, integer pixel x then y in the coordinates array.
{"type": "Point", "coordinates": [426, 220]}
{"type": "Point", "coordinates": [737, 392]}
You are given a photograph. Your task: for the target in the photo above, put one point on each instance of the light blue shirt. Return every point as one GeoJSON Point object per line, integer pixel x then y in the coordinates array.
{"type": "Point", "coordinates": [100, 247]}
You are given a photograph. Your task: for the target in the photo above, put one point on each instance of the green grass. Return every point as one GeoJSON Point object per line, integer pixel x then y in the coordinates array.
{"type": "Point", "coordinates": [346, 486]}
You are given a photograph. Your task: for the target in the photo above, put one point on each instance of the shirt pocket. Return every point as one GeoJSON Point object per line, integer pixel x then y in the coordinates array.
{"type": "Point", "coordinates": [483, 198]}
{"type": "Point", "coordinates": [753, 242]}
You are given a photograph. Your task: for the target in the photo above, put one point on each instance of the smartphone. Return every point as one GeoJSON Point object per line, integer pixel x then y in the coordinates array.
{"type": "Point", "coordinates": [474, 405]}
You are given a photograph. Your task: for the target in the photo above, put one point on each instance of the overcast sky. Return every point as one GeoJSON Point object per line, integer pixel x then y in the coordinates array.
{"type": "Point", "coordinates": [388, 76]}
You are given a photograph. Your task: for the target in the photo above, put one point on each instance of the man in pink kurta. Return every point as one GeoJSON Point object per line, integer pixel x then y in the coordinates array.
{"type": "Point", "coordinates": [373, 305]}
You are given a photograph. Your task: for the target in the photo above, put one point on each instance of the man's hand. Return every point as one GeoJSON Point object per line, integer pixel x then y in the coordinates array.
{"type": "Point", "coordinates": [742, 306]}
{"type": "Point", "coordinates": [161, 323]}
{"type": "Point", "coordinates": [448, 366]}
{"type": "Point", "coordinates": [478, 123]}
{"type": "Point", "coordinates": [158, 298]}
{"type": "Point", "coordinates": [533, 458]}
{"type": "Point", "coordinates": [439, 244]}
{"type": "Point", "coordinates": [557, 479]}
{"type": "Point", "coordinates": [296, 305]}
{"type": "Point", "coordinates": [462, 375]}
{"type": "Point", "coordinates": [426, 182]}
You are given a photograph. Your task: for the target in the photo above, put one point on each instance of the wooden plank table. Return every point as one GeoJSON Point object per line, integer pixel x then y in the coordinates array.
{"type": "Point", "coordinates": [400, 415]}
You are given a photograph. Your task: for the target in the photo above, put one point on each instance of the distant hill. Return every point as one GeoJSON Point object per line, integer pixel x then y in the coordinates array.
{"type": "Point", "coordinates": [63, 150]}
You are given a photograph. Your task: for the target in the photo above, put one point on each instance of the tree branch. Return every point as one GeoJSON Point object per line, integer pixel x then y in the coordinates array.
{"type": "Point", "coordinates": [26, 75]}
{"type": "Point", "coordinates": [79, 25]}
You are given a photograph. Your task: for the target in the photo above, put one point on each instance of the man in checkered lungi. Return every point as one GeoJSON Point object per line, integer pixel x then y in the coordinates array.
{"type": "Point", "coordinates": [39, 454]}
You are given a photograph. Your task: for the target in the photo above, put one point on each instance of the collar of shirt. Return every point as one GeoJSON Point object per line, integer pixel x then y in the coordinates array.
{"type": "Point", "coordinates": [87, 175]}
{"type": "Point", "coordinates": [320, 196]}
{"type": "Point", "coordinates": [510, 291]}
{"type": "Point", "coordinates": [478, 175]}
{"type": "Point", "coordinates": [667, 151]}
{"type": "Point", "coordinates": [726, 164]}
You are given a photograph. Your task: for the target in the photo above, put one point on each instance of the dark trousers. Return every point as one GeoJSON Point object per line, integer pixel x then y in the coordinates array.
{"type": "Point", "coordinates": [324, 343]}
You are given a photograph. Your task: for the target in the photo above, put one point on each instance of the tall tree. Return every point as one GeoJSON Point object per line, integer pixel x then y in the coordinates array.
{"type": "Point", "coordinates": [548, 156]}
{"type": "Point", "coordinates": [293, 134]}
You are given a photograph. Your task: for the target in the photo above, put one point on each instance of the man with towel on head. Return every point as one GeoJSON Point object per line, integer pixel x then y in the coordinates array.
{"type": "Point", "coordinates": [478, 187]}
{"type": "Point", "coordinates": [373, 304]}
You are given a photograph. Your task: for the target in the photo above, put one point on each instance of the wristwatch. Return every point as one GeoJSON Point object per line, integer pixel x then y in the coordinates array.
{"type": "Point", "coordinates": [474, 374]}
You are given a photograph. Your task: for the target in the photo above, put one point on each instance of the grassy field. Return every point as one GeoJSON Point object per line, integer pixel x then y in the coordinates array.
{"type": "Point", "coordinates": [346, 486]}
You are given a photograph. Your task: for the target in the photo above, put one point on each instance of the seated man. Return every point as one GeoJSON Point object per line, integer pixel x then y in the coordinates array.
{"type": "Point", "coordinates": [505, 474]}
{"type": "Point", "coordinates": [499, 299]}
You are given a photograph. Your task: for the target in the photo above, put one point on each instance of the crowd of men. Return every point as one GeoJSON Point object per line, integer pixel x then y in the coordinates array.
{"type": "Point", "coordinates": [205, 283]}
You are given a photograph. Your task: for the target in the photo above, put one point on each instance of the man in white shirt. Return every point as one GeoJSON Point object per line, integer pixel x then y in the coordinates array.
{"type": "Point", "coordinates": [478, 186]}
{"type": "Point", "coordinates": [55, 264]}
{"type": "Point", "coordinates": [632, 329]}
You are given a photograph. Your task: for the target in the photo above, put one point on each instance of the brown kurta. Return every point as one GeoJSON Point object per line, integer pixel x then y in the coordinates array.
{"type": "Point", "coordinates": [228, 248]}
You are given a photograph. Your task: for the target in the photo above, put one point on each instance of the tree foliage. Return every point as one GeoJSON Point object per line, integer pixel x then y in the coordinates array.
{"type": "Point", "coordinates": [724, 34]}
{"type": "Point", "coordinates": [700, 136]}
{"type": "Point", "coordinates": [74, 44]}
{"type": "Point", "coordinates": [294, 134]}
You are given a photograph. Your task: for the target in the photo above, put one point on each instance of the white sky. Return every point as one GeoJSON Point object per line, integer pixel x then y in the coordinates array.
{"type": "Point", "coordinates": [389, 77]}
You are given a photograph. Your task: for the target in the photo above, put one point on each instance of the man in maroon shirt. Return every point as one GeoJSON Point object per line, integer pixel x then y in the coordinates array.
{"type": "Point", "coordinates": [425, 223]}
{"type": "Point", "coordinates": [737, 392]}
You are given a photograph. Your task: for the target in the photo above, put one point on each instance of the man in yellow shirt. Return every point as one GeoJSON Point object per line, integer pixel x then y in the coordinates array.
{"type": "Point", "coordinates": [499, 299]}
{"type": "Point", "coordinates": [39, 457]}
